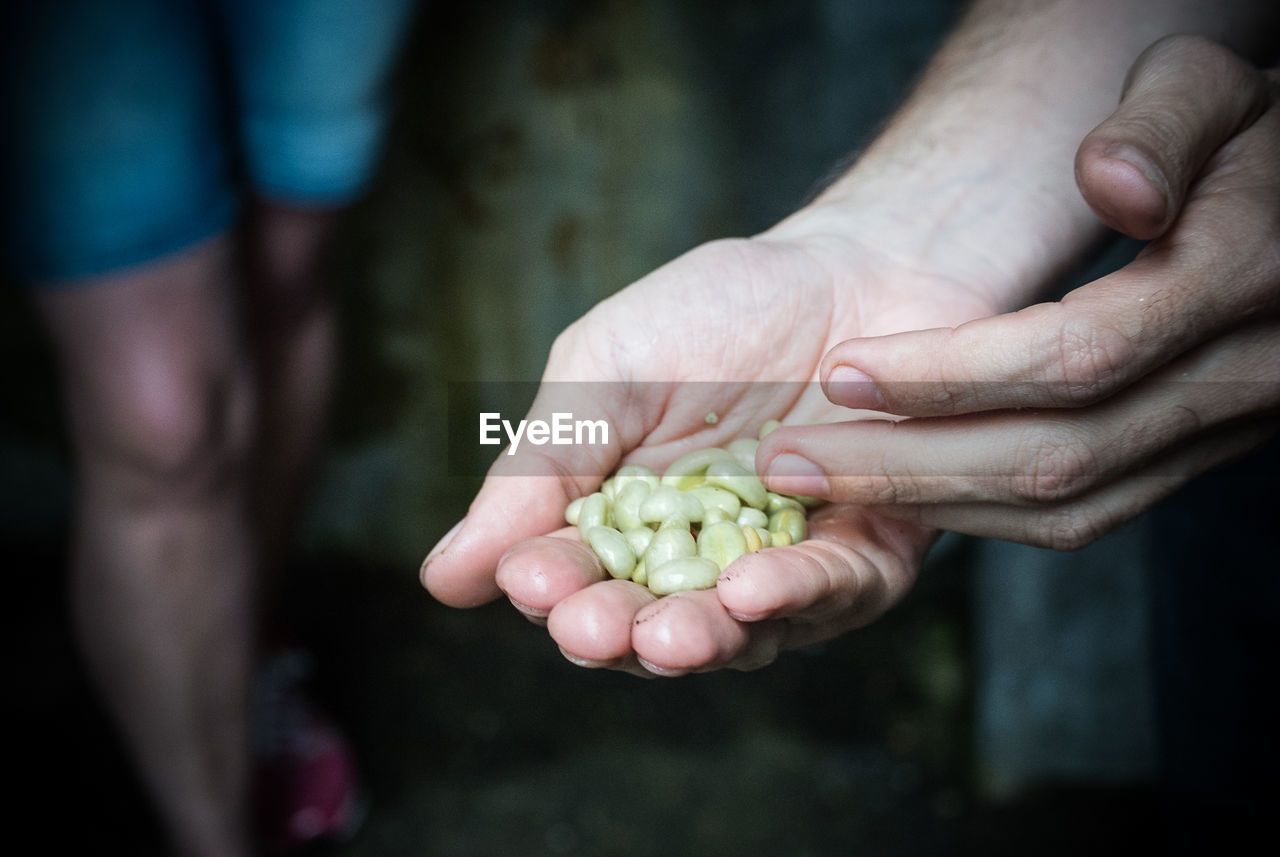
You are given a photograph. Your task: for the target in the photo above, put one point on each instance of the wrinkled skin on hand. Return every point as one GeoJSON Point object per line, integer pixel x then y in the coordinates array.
{"type": "Point", "coordinates": [1053, 425]}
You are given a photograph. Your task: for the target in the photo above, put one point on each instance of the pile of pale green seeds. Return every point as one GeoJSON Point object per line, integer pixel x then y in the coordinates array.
{"type": "Point", "coordinates": [678, 531]}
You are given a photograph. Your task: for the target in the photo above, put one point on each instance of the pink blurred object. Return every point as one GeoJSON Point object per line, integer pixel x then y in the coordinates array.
{"type": "Point", "coordinates": [306, 780]}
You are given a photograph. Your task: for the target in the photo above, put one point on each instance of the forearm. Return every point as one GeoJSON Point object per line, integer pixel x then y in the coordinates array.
{"type": "Point", "coordinates": [978, 163]}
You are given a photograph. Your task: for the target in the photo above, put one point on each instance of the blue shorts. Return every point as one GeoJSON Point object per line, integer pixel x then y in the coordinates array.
{"type": "Point", "coordinates": [136, 126]}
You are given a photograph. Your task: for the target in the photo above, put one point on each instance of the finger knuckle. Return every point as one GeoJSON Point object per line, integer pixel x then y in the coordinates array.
{"type": "Point", "coordinates": [898, 489]}
{"type": "Point", "coordinates": [1193, 50]}
{"type": "Point", "coordinates": [893, 484]}
{"type": "Point", "coordinates": [1087, 362]}
{"type": "Point", "coordinates": [1219, 71]}
{"type": "Point", "coordinates": [1069, 529]}
{"type": "Point", "coordinates": [1059, 465]}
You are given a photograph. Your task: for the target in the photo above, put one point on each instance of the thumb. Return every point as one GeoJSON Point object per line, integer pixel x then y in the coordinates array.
{"type": "Point", "coordinates": [1183, 99]}
{"type": "Point", "coordinates": [524, 495]}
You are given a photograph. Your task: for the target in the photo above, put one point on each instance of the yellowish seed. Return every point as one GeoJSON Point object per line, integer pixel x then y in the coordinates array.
{"type": "Point", "coordinates": [640, 574]}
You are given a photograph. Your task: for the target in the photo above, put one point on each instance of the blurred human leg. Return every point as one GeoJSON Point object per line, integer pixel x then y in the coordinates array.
{"type": "Point", "coordinates": [118, 186]}
{"type": "Point", "coordinates": [159, 398]}
{"type": "Point", "coordinates": [311, 87]}
{"type": "Point", "coordinates": [290, 321]}
{"type": "Point", "coordinates": [196, 369]}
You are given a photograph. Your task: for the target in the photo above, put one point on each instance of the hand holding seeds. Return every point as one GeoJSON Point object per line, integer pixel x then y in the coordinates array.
{"type": "Point", "coordinates": [654, 359]}
{"type": "Point", "coordinates": [880, 252]}
{"type": "Point", "coordinates": [678, 532]}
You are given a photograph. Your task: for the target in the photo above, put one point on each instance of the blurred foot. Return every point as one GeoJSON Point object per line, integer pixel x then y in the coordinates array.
{"type": "Point", "coordinates": [307, 787]}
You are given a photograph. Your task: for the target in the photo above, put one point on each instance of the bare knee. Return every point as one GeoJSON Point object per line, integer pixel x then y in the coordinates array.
{"type": "Point", "coordinates": [172, 437]}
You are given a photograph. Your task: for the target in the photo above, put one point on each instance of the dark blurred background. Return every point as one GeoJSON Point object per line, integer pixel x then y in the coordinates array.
{"type": "Point", "coordinates": [547, 154]}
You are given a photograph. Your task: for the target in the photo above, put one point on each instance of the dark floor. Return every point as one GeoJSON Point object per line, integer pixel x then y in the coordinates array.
{"type": "Point", "coordinates": [477, 738]}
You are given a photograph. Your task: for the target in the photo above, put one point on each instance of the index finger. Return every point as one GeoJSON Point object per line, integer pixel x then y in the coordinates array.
{"type": "Point", "coordinates": [1098, 339]}
{"type": "Point", "coordinates": [1215, 266]}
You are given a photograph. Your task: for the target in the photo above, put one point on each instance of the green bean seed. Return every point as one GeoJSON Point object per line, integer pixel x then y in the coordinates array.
{"type": "Point", "coordinates": [714, 515]}
{"type": "Point", "coordinates": [626, 505]}
{"type": "Point", "coordinates": [669, 543]}
{"type": "Point", "coordinates": [791, 522]}
{"type": "Point", "coordinates": [712, 497]}
{"type": "Point", "coordinates": [743, 450]}
{"type": "Point", "coordinates": [632, 472]}
{"type": "Point", "coordinates": [572, 511]}
{"type": "Point", "coordinates": [685, 573]}
{"type": "Point", "coordinates": [594, 513]}
{"type": "Point", "coordinates": [638, 538]}
{"type": "Point", "coordinates": [732, 476]}
{"type": "Point", "coordinates": [668, 502]}
{"type": "Point", "coordinates": [680, 529]}
{"type": "Point", "coordinates": [688, 470]}
{"type": "Point", "coordinates": [778, 502]}
{"type": "Point", "coordinates": [722, 543]}
{"type": "Point", "coordinates": [613, 550]}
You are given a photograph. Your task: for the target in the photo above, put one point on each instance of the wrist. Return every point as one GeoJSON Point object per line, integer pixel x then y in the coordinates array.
{"type": "Point", "coordinates": [973, 178]}
{"type": "Point", "coordinates": [982, 202]}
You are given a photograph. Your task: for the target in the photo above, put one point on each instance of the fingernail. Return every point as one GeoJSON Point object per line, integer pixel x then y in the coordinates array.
{"type": "Point", "coordinates": [792, 474]}
{"type": "Point", "coordinates": [661, 671]}
{"type": "Point", "coordinates": [851, 388]}
{"type": "Point", "coordinates": [1155, 176]}
{"type": "Point", "coordinates": [444, 541]}
{"type": "Point", "coordinates": [1138, 159]}
{"type": "Point", "coordinates": [587, 663]}
{"type": "Point", "coordinates": [529, 612]}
